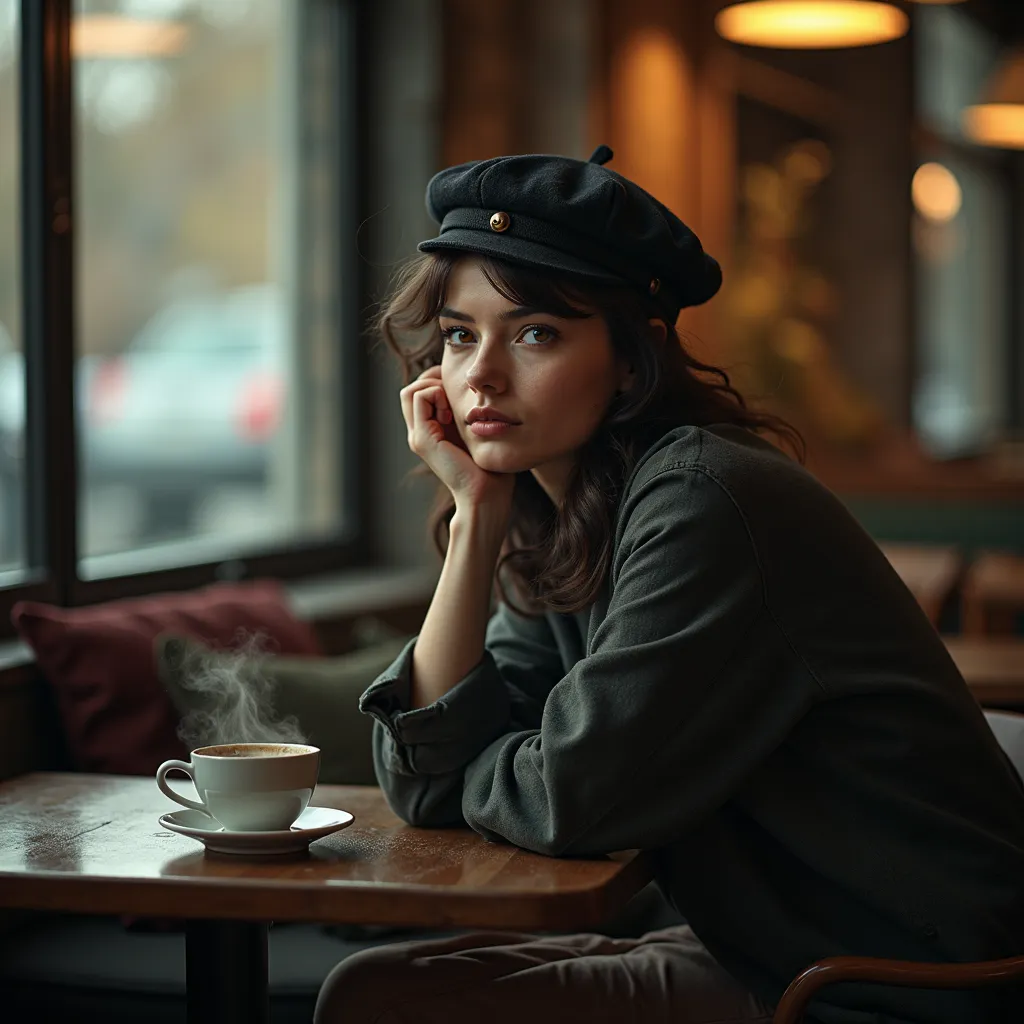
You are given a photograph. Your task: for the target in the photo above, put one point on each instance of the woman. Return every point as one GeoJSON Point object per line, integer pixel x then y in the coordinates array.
{"type": "Point", "coordinates": [696, 650]}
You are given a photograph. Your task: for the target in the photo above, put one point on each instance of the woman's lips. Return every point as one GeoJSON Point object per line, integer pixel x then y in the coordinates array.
{"type": "Point", "coordinates": [491, 428]}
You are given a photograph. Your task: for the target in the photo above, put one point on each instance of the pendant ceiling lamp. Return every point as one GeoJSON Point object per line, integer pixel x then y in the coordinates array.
{"type": "Point", "coordinates": [998, 120]}
{"type": "Point", "coordinates": [811, 24]}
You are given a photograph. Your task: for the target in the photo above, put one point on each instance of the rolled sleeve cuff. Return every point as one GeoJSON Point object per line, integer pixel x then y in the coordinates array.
{"type": "Point", "coordinates": [446, 735]}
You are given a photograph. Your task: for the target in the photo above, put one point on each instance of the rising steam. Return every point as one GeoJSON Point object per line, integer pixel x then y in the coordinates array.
{"type": "Point", "coordinates": [228, 696]}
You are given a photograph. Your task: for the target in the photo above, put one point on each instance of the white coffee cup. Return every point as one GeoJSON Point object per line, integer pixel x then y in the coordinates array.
{"type": "Point", "coordinates": [248, 787]}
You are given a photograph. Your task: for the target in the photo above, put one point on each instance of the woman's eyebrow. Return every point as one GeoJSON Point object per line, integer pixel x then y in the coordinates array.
{"type": "Point", "coordinates": [517, 313]}
{"type": "Point", "coordinates": [454, 314]}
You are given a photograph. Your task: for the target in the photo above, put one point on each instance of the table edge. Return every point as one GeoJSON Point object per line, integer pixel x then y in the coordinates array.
{"type": "Point", "coordinates": [347, 902]}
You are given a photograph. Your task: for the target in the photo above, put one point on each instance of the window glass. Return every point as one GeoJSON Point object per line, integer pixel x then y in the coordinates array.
{"type": "Point", "coordinates": [962, 310]}
{"type": "Point", "coordinates": [961, 247]}
{"type": "Point", "coordinates": [208, 363]}
{"type": "Point", "coordinates": [12, 367]}
{"type": "Point", "coordinates": [955, 56]}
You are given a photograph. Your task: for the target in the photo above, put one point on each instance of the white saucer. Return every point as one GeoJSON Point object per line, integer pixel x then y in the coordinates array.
{"type": "Point", "coordinates": [312, 823]}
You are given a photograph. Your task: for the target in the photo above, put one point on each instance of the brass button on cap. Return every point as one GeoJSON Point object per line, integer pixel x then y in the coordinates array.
{"type": "Point", "coordinates": [500, 221]}
{"type": "Point", "coordinates": [655, 286]}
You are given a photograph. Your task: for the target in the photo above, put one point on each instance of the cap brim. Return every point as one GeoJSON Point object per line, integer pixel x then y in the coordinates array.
{"type": "Point", "coordinates": [516, 250]}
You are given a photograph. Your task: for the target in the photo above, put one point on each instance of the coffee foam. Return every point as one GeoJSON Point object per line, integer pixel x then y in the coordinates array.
{"type": "Point", "coordinates": [253, 750]}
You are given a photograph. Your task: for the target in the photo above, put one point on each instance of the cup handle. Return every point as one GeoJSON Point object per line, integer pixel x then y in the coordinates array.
{"type": "Point", "coordinates": [161, 781]}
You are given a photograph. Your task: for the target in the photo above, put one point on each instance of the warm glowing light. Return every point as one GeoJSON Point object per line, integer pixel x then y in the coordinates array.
{"type": "Point", "coordinates": [811, 24]}
{"type": "Point", "coordinates": [996, 124]}
{"type": "Point", "coordinates": [652, 112]}
{"type": "Point", "coordinates": [808, 161]}
{"type": "Point", "coordinates": [936, 193]}
{"type": "Point", "coordinates": [998, 120]}
{"type": "Point", "coordinates": [111, 35]}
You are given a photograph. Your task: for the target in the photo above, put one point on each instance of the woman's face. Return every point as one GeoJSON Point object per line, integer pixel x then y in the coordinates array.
{"type": "Point", "coordinates": [553, 378]}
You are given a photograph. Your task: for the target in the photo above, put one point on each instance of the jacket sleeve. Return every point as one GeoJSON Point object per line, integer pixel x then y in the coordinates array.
{"type": "Point", "coordinates": [678, 700]}
{"type": "Point", "coordinates": [420, 754]}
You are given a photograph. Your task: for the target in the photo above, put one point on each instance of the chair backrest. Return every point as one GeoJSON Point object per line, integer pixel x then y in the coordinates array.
{"type": "Point", "coordinates": [1009, 729]}
{"type": "Point", "coordinates": [992, 596]}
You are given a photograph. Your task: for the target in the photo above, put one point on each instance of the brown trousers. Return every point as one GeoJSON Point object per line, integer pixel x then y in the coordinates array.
{"type": "Point", "coordinates": [663, 977]}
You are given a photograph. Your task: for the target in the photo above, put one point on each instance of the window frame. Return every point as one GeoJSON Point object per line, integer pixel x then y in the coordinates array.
{"type": "Point", "coordinates": [50, 492]}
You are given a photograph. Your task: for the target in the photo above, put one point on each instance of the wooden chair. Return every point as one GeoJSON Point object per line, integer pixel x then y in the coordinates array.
{"type": "Point", "coordinates": [993, 594]}
{"type": "Point", "coordinates": [1009, 730]}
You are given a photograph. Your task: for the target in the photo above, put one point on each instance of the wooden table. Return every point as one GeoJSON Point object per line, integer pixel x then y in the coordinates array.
{"type": "Point", "coordinates": [92, 844]}
{"type": "Point", "coordinates": [992, 667]}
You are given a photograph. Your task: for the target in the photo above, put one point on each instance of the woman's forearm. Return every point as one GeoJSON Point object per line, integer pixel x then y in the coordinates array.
{"type": "Point", "coordinates": [451, 641]}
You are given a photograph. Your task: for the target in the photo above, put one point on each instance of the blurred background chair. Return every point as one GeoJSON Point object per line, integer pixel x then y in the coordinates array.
{"type": "Point", "coordinates": [931, 573]}
{"type": "Point", "coordinates": [993, 594]}
{"type": "Point", "coordinates": [1009, 730]}
{"type": "Point", "coordinates": [992, 667]}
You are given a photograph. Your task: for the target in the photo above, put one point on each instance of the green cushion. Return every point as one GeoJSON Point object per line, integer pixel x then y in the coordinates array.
{"type": "Point", "coordinates": [302, 699]}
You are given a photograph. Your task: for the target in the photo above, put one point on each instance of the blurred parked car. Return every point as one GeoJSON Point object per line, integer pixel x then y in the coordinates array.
{"type": "Point", "coordinates": [190, 406]}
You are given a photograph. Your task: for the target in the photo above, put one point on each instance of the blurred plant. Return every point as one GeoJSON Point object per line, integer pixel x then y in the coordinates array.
{"type": "Point", "coordinates": [781, 304]}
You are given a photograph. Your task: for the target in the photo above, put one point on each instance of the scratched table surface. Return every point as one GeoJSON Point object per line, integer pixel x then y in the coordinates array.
{"type": "Point", "coordinates": [92, 844]}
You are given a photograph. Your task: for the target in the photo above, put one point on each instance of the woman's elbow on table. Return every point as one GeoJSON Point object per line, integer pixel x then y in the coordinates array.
{"type": "Point", "coordinates": [527, 835]}
{"type": "Point", "coordinates": [532, 824]}
{"type": "Point", "coordinates": [424, 802]}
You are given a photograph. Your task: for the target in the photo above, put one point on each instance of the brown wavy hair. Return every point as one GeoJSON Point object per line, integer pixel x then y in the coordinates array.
{"type": "Point", "coordinates": [557, 558]}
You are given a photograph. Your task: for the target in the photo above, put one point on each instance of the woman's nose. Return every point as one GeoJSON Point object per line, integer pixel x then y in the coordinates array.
{"type": "Point", "coordinates": [486, 370]}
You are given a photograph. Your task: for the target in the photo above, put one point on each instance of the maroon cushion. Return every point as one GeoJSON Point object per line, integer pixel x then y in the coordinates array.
{"type": "Point", "coordinates": [117, 718]}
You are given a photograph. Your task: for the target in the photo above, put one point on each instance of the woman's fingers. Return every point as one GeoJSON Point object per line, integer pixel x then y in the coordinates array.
{"type": "Point", "coordinates": [424, 419]}
{"type": "Point", "coordinates": [430, 411]}
{"type": "Point", "coordinates": [440, 400]}
{"type": "Point", "coordinates": [435, 438]}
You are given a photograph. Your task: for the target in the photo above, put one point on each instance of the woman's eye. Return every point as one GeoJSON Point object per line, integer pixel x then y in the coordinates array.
{"type": "Point", "coordinates": [455, 335]}
{"type": "Point", "coordinates": [538, 335]}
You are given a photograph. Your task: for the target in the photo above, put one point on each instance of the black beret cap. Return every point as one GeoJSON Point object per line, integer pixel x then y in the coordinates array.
{"type": "Point", "coordinates": [574, 216]}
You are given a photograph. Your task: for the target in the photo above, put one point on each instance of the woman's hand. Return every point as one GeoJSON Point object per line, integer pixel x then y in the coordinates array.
{"type": "Point", "coordinates": [433, 436]}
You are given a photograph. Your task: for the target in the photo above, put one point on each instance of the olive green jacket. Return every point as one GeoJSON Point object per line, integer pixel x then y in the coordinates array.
{"type": "Point", "coordinates": [758, 698]}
